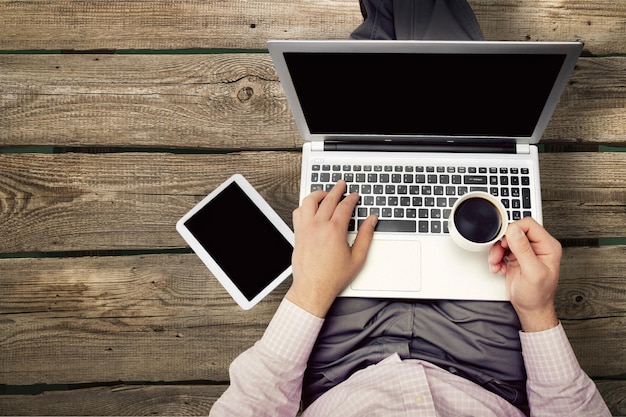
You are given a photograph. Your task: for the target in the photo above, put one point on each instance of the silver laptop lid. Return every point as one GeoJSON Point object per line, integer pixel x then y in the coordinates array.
{"type": "Point", "coordinates": [441, 91]}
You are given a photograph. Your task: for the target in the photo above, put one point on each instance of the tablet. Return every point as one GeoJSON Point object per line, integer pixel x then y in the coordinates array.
{"type": "Point", "coordinates": [241, 239]}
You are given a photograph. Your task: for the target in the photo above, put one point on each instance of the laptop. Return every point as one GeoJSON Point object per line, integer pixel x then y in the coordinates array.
{"type": "Point", "coordinates": [411, 126]}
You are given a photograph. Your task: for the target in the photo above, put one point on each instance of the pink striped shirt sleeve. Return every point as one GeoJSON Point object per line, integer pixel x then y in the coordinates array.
{"type": "Point", "coordinates": [266, 380]}
{"type": "Point", "coordinates": [556, 385]}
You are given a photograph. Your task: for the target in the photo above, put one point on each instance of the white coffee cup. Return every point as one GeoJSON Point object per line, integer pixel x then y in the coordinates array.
{"type": "Point", "coordinates": [477, 221]}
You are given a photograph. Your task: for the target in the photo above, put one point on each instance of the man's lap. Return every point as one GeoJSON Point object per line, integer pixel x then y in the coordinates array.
{"type": "Point", "coordinates": [478, 340]}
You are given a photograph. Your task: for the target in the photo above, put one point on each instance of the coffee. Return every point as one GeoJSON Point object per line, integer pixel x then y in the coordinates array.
{"type": "Point", "coordinates": [477, 220]}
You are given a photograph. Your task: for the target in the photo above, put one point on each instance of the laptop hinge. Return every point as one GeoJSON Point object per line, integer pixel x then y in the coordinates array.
{"type": "Point", "coordinates": [523, 148]}
{"type": "Point", "coordinates": [422, 146]}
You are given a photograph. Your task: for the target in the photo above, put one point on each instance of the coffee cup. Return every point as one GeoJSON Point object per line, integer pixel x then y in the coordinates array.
{"type": "Point", "coordinates": [477, 221]}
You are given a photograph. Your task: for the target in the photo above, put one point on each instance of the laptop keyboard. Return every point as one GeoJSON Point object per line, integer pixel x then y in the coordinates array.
{"type": "Point", "coordinates": [419, 199]}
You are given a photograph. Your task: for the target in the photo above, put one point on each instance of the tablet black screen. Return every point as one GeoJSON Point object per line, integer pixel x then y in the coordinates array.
{"type": "Point", "coordinates": [241, 240]}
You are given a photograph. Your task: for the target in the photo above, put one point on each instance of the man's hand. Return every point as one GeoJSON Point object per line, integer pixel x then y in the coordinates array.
{"type": "Point", "coordinates": [530, 258]}
{"type": "Point", "coordinates": [323, 261]}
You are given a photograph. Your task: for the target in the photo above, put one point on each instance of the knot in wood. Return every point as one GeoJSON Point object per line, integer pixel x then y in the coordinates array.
{"type": "Point", "coordinates": [245, 94]}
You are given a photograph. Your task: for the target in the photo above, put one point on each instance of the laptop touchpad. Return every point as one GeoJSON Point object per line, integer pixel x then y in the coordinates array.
{"type": "Point", "coordinates": [391, 265]}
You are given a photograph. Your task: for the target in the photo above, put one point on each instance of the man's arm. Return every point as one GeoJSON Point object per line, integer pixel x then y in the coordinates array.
{"type": "Point", "coordinates": [266, 380]}
{"type": "Point", "coordinates": [557, 386]}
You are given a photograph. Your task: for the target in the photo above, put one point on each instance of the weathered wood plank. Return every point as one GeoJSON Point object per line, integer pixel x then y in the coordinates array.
{"type": "Point", "coordinates": [590, 344]}
{"type": "Point", "coordinates": [592, 284]}
{"type": "Point", "coordinates": [587, 342]}
{"type": "Point", "coordinates": [149, 24]}
{"type": "Point", "coordinates": [162, 24]}
{"type": "Point", "coordinates": [165, 318]}
{"type": "Point", "coordinates": [180, 400]}
{"type": "Point", "coordinates": [231, 101]}
{"type": "Point", "coordinates": [205, 101]}
{"type": "Point", "coordinates": [122, 400]}
{"type": "Point", "coordinates": [124, 201]}
{"type": "Point", "coordinates": [584, 194]}
{"type": "Point", "coordinates": [81, 202]}
{"type": "Point", "coordinates": [554, 20]}
{"type": "Point", "coordinates": [137, 318]}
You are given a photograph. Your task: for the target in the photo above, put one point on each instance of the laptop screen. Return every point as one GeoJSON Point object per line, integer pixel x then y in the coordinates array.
{"type": "Point", "coordinates": [425, 94]}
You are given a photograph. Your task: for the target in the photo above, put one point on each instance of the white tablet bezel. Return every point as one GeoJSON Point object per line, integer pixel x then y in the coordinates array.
{"type": "Point", "coordinates": [209, 261]}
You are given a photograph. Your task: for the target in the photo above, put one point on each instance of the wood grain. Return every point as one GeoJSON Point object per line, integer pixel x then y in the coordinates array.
{"type": "Point", "coordinates": [592, 284]}
{"type": "Point", "coordinates": [82, 202]}
{"type": "Point", "coordinates": [120, 400]}
{"type": "Point", "coordinates": [598, 24]}
{"type": "Point", "coordinates": [231, 101]}
{"type": "Point", "coordinates": [143, 400]}
{"type": "Point", "coordinates": [599, 351]}
{"type": "Point", "coordinates": [150, 24]}
{"type": "Point", "coordinates": [79, 201]}
{"type": "Point", "coordinates": [583, 194]}
{"type": "Point", "coordinates": [136, 318]}
{"type": "Point", "coordinates": [222, 101]}
{"type": "Point", "coordinates": [165, 318]}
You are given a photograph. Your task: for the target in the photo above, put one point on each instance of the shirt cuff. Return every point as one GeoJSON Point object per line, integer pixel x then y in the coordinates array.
{"type": "Point", "coordinates": [548, 356]}
{"type": "Point", "coordinates": [292, 332]}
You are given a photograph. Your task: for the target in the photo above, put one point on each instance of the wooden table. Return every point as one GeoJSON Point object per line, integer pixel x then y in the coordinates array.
{"type": "Point", "coordinates": [117, 116]}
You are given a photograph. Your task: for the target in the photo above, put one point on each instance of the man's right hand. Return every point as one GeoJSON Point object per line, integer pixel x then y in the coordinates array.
{"type": "Point", "coordinates": [323, 261]}
{"type": "Point", "coordinates": [530, 259]}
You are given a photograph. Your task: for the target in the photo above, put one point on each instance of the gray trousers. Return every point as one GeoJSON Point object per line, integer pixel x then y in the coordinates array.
{"type": "Point", "coordinates": [477, 340]}
{"type": "Point", "coordinates": [418, 19]}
